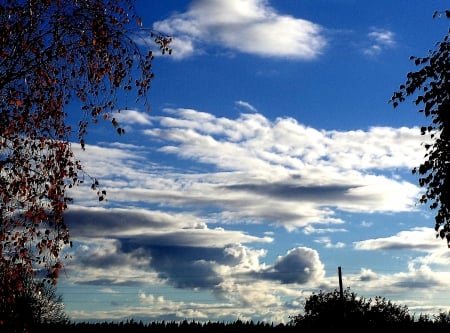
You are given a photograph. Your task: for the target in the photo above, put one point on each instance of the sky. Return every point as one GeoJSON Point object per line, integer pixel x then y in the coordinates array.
{"type": "Point", "coordinates": [271, 157]}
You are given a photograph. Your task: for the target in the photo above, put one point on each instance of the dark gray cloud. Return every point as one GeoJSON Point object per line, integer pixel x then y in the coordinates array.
{"type": "Point", "coordinates": [84, 222]}
{"type": "Point", "coordinates": [417, 284]}
{"type": "Point", "coordinates": [182, 257]}
{"type": "Point", "coordinates": [182, 253]}
{"type": "Point", "coordinates": [187, 267]}
{"type": "Point", "coordinates": [318, 193]}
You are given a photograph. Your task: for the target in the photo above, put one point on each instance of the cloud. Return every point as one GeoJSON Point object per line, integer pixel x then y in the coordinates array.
{"type": "Point", "coordinates": [328, 244]}
{"type": "Point", "coordinates": [133, 117]}
{"type": "Point", "coordinates": [246, 105]}
{"type": "Point", "coordinates": [154, 241]}
{"type": "Point", "coordinates": [178, 226]}
{"type": "Point", "coordinates": [422, 281]}
{"type": "Point", "coordinates": [287, 163]}
{"type": "Point", "coordinates": [249, 26]}
{"type": "Point", "coordinates": [380, 40]}
{"type": "Point", "coordinates": [125, 248]}
{"type": "Point", "coordinates": [276, 172]}
{"type": "Point", "coordinates": [418, 239]}
{"type": "Point", "coordinates": [300, 265]}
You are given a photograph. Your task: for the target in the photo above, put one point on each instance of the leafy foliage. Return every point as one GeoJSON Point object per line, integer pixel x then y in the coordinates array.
{"type": "Point", "coordinates": [429, 87]}
{"type": "Point", "coordinates": [54, 54]}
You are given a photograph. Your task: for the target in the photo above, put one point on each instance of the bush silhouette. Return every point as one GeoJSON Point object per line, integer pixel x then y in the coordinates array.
{"type": "Point", "coordinates": [335, 311]}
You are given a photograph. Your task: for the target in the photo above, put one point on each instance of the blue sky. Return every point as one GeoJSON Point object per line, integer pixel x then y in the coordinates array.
{"type": "Point", "coordinates": [269, 158]}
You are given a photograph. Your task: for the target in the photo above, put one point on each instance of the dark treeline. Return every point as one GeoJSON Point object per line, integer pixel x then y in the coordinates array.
{"type": "Point", "coordinates": [421, 325]}
{"type": "Point", "coordinates": [165, 326]}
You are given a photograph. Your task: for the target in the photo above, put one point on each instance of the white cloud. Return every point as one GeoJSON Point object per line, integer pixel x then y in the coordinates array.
{"type": "Point", "coordinates": [380, 40]}
{"type": "Point", "coordinates": [326, 241]}
{"type": "Point", "coordinates": [419, 239]}
{"type": "Point", "coordinates": [246, 105]}
{"type": "Point", "coordinates": [133, 117]}
{"type": "Point", "coordinates": [383, 37]}
{"type": "Point", "coordinates": [249, 26]}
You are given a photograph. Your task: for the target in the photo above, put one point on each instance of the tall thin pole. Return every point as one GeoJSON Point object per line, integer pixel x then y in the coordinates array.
{"type": "Point", "coordinates": [341, 291]}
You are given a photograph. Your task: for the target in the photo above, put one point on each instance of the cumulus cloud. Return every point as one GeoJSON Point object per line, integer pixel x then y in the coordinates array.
{"type": "Point", "coordinates": [249, 26]}
{"type": "Point", "coordinates": [300, 265]}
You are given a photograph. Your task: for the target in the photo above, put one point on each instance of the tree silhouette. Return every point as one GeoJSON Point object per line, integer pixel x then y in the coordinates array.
{"type": "Point", "coordinates": [330, 311]}
{"type": "Point", "coordinates": [429, 87]}
{"type": "Point", "coordinates": [52, 54]}
{"type": "Point", "coordinates": [35, 304]}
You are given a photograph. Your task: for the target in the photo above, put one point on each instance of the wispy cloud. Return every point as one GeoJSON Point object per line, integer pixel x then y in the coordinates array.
{"type": "Point", "coordinates": [246, 105]}
{"type": "Point", "coordinates": [133, 117]}
{"type": "Point", "coordinates": [419, 239]}
{"type": "Point", "coordinates": [379, 40]}
{"type": "Point", "coordinates": [250, 26]}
